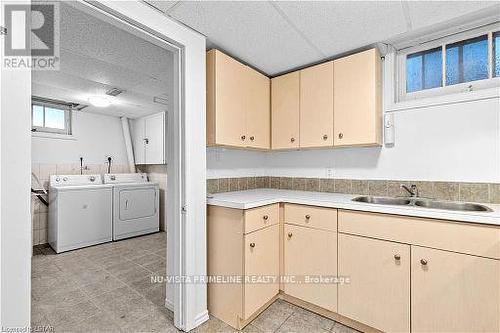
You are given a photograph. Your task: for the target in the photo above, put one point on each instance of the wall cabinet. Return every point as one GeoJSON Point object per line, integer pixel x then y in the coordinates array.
{"type": "Point", "coordinates": [357, 99]}
{"type": "Point", "coordinates": [285, 92]}
{"type": "Point", "coordinates": [378, 294]}
{"type": "Point", "coordinates": [238, 104]}
{"type": "Point", "coordinates": [148, 139]}
{"type": "Point", "coordinates": [454, 292]}
{"type": "Point", "coordinates": [316, 106]}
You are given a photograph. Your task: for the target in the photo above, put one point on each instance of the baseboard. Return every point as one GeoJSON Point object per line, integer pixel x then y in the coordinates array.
{"type": "Point", "coordinates": [200, 319]}
{"type": "Point", "coordinates": [169, 305]}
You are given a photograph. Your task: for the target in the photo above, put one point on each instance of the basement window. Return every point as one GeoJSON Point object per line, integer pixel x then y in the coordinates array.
{"type": "Point", "coordinates": [50, 117]}
{"type": "Point", "coordinates": [460, 63]}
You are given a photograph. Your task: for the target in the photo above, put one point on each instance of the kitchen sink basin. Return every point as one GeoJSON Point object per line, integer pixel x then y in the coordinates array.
{"type": "Point", "coordinates": [424, 203]}
{"type": "Point", "coordinates": [382, 200]}
{"type": "Point", "coordinates": [447, 205]}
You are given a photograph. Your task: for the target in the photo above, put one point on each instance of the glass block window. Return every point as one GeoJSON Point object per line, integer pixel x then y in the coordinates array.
{"type": "Point", "coordinates": [424, 70]}
{"type": "Point", "coordinates": [467, 60]}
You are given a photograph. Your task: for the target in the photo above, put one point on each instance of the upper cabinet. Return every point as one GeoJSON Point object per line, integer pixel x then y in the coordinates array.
{"type": "Point", "coordinates": [334, 104]}
{"type": "Point", "coordinates": [316, 106]}
{"type": "Point", "coordinates": [285, 92]}
{"type": "Point", "coordinates": [357, 99]}
{"type": "Point", "coordinates": [148, 139]}
{"type": "Point", "coordinates": [238, 104]}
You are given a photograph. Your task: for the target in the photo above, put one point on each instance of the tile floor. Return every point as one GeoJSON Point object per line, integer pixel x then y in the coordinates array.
{"type": "Point", "coordinates": [108, 288]}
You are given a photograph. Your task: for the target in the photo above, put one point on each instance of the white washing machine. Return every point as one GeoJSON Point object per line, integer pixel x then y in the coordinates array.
{"type": "Point", "coordinates": [136, 204]}
{"type": "Point", "coordinates": [79, 212]}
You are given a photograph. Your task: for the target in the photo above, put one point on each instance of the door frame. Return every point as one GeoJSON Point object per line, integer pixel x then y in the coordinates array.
{"type": "Point", "coordinates": [186, 169]}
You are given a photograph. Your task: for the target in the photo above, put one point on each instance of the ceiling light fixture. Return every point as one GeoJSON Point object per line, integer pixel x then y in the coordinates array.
{"type": "Point", "coordinates": [99, 101]}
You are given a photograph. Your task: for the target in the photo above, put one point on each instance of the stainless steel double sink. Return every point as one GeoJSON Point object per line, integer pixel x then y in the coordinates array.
{"type": "Point", "coordinates": [425, 203]}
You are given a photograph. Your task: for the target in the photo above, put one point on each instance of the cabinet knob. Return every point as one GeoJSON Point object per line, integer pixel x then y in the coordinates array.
{"type": "Point", "coordinates": [292, 140]}
{"type": "Point", "coordinates": [252, 138]}
{"type": "Point", "coordinates": [265, 217]}
{"type": "Point", "coordinates": [325, 137]}
{"type": "Point", "coordinates": [252, 245]}
{"type": "Point", "coordinates": [397, 257]}
{"type": "Point", "coordinates": [243, 138]}
{"type": "Point", "coordinates": [423, 262]}
{"type": "Point", "coordinates": [308, 217]}
{"type": "Point", "coordinates": [341, 135]}
{"type": "Point", "coordinates": [146, 141]}
{"type": "Point", "coordinates": [290, 235]}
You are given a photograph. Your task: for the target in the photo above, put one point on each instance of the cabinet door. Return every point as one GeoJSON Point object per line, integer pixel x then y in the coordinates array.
{"type": "Point", "coordinates": [257, 100]}
{"type": "Point", "coordinates": [137, 132]}
{"type": "Point", "coordinates": [261, 260]}
{"type": "Point", "coordinates": [285, 91]}
{"type": "Point", "coordinates": [154, 127]}
{"type": "Point", "coordinates": [379, 290]}
{"type": "Point", "coordinates": [308, 254]}
{"type": "Point", "coordinates": [316, 106]}
{"type": "Point", "coordinates": [226, 108]}
{"type": "Point", "coordinates": [357, 97]}
{"type": "Point", "coordinates": [452, 292]}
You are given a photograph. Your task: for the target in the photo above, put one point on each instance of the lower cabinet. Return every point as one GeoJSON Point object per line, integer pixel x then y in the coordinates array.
{"type": "Point", "coordinates": [261, 268]}
{"type": "Point", "coordinates": [378, 294]}
{"type": "Point", "coordinates": [453, 292]}
{"type": "Point", "coordinates": [311, 253]}
{"type": "Point", "coordinates": [243, 261]}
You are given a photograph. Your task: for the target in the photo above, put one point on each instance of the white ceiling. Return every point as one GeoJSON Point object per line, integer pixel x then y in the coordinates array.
{"type": "Point", "coordinates": [277, 36]}
{"type": "Point", "coordinates": [96, 56]}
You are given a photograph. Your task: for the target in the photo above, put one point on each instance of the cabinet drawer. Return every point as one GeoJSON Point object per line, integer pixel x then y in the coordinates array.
{"type": "Point", "coordinates": [475, 239]}
{"type": "Point", "coordinates": [257, 218]}
{"type": "Point", "coordinates": [310, 216]}
{"type": "Point", "coordinates": [261, 261]}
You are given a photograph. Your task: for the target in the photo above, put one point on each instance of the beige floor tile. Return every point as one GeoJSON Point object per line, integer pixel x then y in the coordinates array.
{"type": "Point", "coordinates": [274, 316]}
{"type": "Point", "coordinates": [99, 323]}
{"type": "Point", "coordinates": [339, 328]}
{"type": "Point", "coordinates": [305, 321]}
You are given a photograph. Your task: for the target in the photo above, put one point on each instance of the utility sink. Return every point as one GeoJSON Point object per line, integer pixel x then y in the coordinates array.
{"type": "Point", "coordinates": [383, 200]}
{"type": "Point", "coordinates": [460, 206]}
{"type": "Point", "coordinates": [424, 203]}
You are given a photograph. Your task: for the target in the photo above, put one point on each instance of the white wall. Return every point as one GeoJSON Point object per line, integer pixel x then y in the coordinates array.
{"type": "Point", "coordinates": [95, 137]}
{"type": "Point", "coordinates": [456, 142]}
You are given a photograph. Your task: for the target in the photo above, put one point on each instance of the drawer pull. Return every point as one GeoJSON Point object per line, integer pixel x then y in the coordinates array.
{"type": "Point", "coordinates": [397, 257]}
{"type": "Point", "coordinates": [290, 235]}
{"type": "Point", "coordinates": [252, 245]}
{"type": "Point", "coordinates": [325, 137]}
{"type": "Point", "coordinates": [423, 262]}
{"type": "Point", "coordinates": [243, 137]}
{"type": "Point", "coordinates": [308, 217]}
{"type": "Point", "coordinates": [292, 140]}
{"type": "Point", "coordinates": [265, 217]}
{"type": "Point", "coordinates": [252, 138]}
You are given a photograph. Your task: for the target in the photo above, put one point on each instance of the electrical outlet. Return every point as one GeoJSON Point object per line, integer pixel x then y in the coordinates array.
{"type": "Point", "coordinates": [329, 172]}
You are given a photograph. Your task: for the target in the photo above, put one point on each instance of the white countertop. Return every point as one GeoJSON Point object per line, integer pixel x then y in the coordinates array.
{"type": "Point", "coordinates": [261, 197]}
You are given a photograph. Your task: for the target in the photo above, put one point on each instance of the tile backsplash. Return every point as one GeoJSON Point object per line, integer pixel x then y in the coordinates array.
{"type": "Point", "coordinates": [455, 191]}
{"type": "Point", "coordinates": [43, 171]}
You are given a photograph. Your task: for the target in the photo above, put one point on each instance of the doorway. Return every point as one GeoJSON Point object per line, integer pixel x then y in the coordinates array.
{"type": "Point", "coordinates": [185, 154]}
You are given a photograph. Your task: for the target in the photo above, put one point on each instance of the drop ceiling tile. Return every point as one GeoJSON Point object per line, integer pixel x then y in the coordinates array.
{"type": "Point", "coordinates": [251, 31]}
{"type": "Point", "coordinates": [341, 26]}
{"type": "Point", "coordinates": [427, 13]}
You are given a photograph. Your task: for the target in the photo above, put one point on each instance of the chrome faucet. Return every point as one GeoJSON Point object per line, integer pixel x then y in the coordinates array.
{"type": "Point", "coordinates": [412, 190]}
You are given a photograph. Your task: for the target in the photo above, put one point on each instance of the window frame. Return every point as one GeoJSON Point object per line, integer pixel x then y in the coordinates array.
{"type": "Point", "coordinates": [67, 130]}
{"type": "Point", "coordinates": [464, 87]}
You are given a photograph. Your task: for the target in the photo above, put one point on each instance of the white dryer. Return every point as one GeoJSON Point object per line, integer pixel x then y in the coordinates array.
{"type": "Point", "coordinates": [79, 212]}
{"type": "Point", "coordinates": [136, 203]}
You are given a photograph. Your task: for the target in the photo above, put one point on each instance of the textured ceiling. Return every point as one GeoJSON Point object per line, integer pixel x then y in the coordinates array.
{"type": "Point", "coordinates": [96, 56]}
{"type": "Point", "coordinates": [277, 36]}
